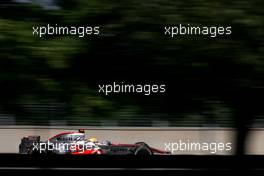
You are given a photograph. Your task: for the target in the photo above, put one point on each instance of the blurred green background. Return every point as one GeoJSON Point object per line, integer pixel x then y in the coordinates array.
{"type": "Point", "coordinates": [54, 79]}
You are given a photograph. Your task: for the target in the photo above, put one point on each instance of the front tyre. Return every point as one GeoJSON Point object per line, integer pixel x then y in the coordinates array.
{"type": "Point", "coordinates": [142, 149]}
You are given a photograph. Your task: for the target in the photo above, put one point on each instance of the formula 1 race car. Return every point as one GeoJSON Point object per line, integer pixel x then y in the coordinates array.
{"type": "Point", "coordinates": [75, 143]}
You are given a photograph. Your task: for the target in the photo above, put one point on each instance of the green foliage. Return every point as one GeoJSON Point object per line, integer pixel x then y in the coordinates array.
{"type": "Point", "coordinates": [64, 70]}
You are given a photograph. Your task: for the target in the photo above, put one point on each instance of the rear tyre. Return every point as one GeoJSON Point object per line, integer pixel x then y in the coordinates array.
{"type": "Point", "coordinates": [26, 145]}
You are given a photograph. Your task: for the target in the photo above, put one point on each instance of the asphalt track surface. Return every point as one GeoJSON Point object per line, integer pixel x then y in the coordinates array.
{"type": "Point", "coordinates": [10, 136]}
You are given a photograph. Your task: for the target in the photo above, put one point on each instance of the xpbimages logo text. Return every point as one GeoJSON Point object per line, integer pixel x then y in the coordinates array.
{"type": "Point", "coordinates": [182, 30]}
{"type": "Point", "coordinates": [57, 30]}
{"type": "Point", "coordinates": [192, 146]}
{"type": "Point", "coordinates": [43, 147]}
{"type": "Point", "coordinates": [122, 87]}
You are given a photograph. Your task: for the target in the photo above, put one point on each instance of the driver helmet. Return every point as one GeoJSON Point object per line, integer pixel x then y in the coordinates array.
{"type": "Point", "coordinates": [93, 139]}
